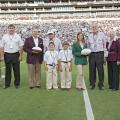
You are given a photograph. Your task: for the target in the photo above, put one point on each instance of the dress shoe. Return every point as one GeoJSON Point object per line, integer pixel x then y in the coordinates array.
{"type": "Point", "coordinates": [79, 89]}
{"type": "Point", "coordinates": [101, 88]}
{"type": "Point", "coordinates": [110, 87]}
{"type": "Point", "coordinates": [114, 89]}
{"type": "Point", "coordinates": [37, 86]}
{"type": "Point", "coordinates": [82, 88]}
{"type": "Point", "coordinates": [31, 87]}
{"type": "Point", "coordinates": [17, 86]}
{"type": "Point", "coordinates": [5, 87]}
{"type": "Point", "coordinates": [68, 89]}
{"type": "Point", "coordinates": [92, 87]}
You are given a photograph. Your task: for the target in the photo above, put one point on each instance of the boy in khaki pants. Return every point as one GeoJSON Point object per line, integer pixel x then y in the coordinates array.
{"type": "Point", "coordinates": [51, 66]}
{"type": "Point", "coordinates": [65, 64]}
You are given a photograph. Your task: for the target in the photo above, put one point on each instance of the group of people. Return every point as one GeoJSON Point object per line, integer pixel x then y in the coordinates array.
{"type": "Point", "coordinates": [58, 55]}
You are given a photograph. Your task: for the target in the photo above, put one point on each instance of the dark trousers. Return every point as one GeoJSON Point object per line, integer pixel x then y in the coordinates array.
{"type": "Point", "coordinates": [118, 77]}
{"type": "Point", "coordinates": [112, 74]}
{"type": "Point", "coordinates": [11, 61]}
{"type": "Point", "coordinates": [96, 61]}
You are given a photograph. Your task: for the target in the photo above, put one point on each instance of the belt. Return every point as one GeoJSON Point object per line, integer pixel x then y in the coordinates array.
{"type": "Point", "coordinates": [98, 52]}
{"type": "Point", "coordinates": [11, 53]}
{"type": "Point", "coordinates": [65, 61]}
{"type": "Point", "coordinates": [51, 64]}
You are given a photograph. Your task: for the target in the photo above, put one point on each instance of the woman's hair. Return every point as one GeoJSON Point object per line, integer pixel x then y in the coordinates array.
{"type": "Point", "coordinates": [83, 40]}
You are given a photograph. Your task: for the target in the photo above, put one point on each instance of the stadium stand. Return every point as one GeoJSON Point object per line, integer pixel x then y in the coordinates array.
{"type": "Point", "coordinates": [46, 9]}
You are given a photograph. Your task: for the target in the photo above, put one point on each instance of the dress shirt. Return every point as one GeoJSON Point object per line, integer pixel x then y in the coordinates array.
{"type": "Point", "coordinates": [35, 41]}
{"type": "Point", "coordinates": [65, 55]}
{"type": "Point", "coordinates": [97, 42]}
{"type": "Point", "coordinates": [11, 43]}
{"type": "Point", "coordinates": [51, 57]}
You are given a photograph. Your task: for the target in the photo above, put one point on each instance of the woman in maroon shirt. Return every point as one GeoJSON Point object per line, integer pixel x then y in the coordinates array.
{"type": "Point", "coordinates": [112, 49]}
{"type": "Point", "coordinates": [118, 63]}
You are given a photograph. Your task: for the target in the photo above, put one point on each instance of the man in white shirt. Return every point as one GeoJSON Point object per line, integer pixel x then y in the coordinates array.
{"type": "Point", "coordinates": [96, 41]}
{"type": "Point", "coordinates": [51, 38]}
{"type": "Point", "coordinates": [11, 46]}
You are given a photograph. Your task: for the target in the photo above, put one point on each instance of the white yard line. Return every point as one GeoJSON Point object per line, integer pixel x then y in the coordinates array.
{"type": "Point", "coordinates": [89, 111]}
{"type": "Point", "coordinates": [88, 107]}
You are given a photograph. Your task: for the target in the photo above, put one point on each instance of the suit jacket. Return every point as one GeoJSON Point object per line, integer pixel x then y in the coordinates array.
{"type": "Point", "coordinates": [112, 51]}
{"type": "Point", "coordinates": [79, 59]}
{"type": "Point", "coordinates": [32, 58]}
{"type": "Point", "coordinates": [118, 44]}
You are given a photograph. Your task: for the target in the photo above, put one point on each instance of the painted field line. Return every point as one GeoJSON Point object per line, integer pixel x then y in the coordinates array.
{"type": "Point", "coordinates": [88, 107]}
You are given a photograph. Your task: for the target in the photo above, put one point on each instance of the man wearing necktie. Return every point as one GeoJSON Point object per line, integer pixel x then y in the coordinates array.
{"type": "Point", "coordinates": [34, 58]}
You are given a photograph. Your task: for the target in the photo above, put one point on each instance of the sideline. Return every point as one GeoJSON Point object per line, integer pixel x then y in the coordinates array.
{"type": "Point", "coordinates": [88, 107]}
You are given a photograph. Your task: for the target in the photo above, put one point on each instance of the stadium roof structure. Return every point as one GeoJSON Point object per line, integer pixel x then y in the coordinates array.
{"type": "Point", "coordinates": [59, 7]}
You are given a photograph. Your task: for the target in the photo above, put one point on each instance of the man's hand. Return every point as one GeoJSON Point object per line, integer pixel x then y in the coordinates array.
{"type": "Point", "coordinates": [57, 68]}
{"type": "Point", "coordinates": [104, 61]}
{"type": "Point", "coordinates": [118, 62]}
{"type": "Point", "coordinates": [20, 58]}
{"type": "Point", "coordinates": [1, 59]}
{"type": "Point", "coordinates": [61, 69]}
{"type": "Point", "coordinates": [70, 69]}
{"type": "Point", "coordinates": [46, 68]}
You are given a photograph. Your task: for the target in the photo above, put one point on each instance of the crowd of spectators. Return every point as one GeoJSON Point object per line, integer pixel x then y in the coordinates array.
{"type": "Point", "coordinates": [64, 30]}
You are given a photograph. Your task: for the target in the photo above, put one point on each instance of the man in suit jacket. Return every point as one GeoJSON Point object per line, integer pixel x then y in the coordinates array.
{"type": "Point", "coordinates": [34, 58]}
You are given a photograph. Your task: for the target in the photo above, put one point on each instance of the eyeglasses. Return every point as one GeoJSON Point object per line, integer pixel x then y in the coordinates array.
{"type": "Point", "coordinates": [11, 28]}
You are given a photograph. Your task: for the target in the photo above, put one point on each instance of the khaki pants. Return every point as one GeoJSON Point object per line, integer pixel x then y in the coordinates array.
{"type": "Point", "coordinates": [80, 77]}
{"type": "Point", "coordinates": [51, 78]}
{"type": "Point", "coordinates": [65, 75]}
{"type": "Point", "coordinates": [34, 71]}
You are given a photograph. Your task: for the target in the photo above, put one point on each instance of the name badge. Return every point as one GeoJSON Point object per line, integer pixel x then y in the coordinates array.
{"type": "Point", "coordinates": [53, 65]}
{"type": "Point", "coordinates": [11, 46]}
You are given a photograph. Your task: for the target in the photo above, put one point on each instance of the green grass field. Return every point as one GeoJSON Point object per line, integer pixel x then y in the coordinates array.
{"type": "Point", "coordinates": [40, 104]}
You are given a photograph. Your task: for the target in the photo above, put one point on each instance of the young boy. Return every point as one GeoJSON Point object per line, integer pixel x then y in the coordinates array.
{"type": "Point", "coordinates": [51, 66]}
{"type": "Point", "coordinates": [65, 65]}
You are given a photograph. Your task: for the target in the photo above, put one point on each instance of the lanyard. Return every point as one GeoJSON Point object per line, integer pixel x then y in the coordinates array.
{"type": "Point", "coordinates": [95, 37]}
{"type": "Point", "coordinates": [11, 41]}
{"type": "Point", "coordinates": [53, 56]}
{"type": "Point", "coordinates": [66, 56]}
{"type": "Point", "coordinates": [11, 37]}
